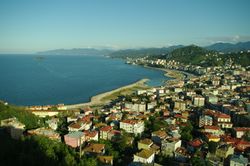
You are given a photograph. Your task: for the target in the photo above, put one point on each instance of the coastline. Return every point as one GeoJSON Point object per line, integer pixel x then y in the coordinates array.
{"type": "Point", "coordinates": [106, 97]}
{"type": "Point", "coordinates": [176, 75]}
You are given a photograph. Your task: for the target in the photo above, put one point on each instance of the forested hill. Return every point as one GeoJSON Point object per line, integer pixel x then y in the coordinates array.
{"type": "Point", "coordinates": [137, 53]}
{"type": "Point", "coordinates": [196, 55]}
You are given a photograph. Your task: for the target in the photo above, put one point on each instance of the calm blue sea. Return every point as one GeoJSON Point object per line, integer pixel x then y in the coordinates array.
{"type": "Point", "coordinates": [27, 80]}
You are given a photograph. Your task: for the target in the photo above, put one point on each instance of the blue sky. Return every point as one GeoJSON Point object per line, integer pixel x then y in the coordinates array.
{"type": "Point", "coordinates": [28, 26]}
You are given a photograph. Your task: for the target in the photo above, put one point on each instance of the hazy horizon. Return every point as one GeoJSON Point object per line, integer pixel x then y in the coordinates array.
{"type": "Point", "coordinates": [31, 26]}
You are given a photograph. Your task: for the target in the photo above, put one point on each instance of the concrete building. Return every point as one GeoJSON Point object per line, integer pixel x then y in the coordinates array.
{"type": "Point", "coordinates": [145, 156]}
{"type": "Point", "coordinates": [132, 126]}
{"type": "Point", "coordinates": [14, 127]}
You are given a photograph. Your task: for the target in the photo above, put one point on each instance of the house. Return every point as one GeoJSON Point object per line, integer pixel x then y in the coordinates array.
{"type": "Point", "coordinates": [53, 123]}
{"type": "Point", "coordinates": [181, 154]}
{"type": "Point", "coordinates": [132, 126]}
{"type": "Point", "coordinates": [104, 131]}
{"type": "Point", "coordinates": [169, 147]}
{"type": "Point", "coordinates": [74, 139]}
{"type": "Point", "coordinates": [211, 129]}
{"type": "Point", "coordinates": [198, 101]}
{"type": "Point", "coordinates": [80, 125]}
{"type": "Point", "coordinates": [242, 145]}
{"type": "Point", "coordinates": [114, 135]}
{"type": "Point", "coordinates": [91, 135]}
{"type": "Point", "coordinates": [223, 120]}
{"type": "Point", "coordinates": [44, 113]}
{"type": "Point", "coordinates": [94, 149]}
{"type": "Point", "coordinates": [14, 127]}
{"type": "Point", "coordinates": [238, 160]}
{"type": "Point", "coordinates": [144, 156]}
{"type": "Point", "coordinates": [205, 120]}
{"type": "Point", "coordinates": [211, 137]}
{"type": "Point", "coordinates": [240, 131]}
{"type": "Point", "coordinates": [180, 105]}
{"type": "Point", "coordinates": [224, 151]}
{"type": "Point", "coordinates": [47, 132]}
{"type": "Point", "coordinates": [195, 144]}
{"type": "Point", "coordinates": [158, 136]}
{"type": "Point", "coordinates": [105, 160]}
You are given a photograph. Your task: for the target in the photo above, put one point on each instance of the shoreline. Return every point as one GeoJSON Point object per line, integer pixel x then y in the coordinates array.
{"type": "Point", "coordinates": [106, 97]}
{"type": "Point", "coordinates": [175, 75]}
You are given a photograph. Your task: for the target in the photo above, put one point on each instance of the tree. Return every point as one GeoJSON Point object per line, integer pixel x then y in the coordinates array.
{"type": "Point", "coordinates": [212, 146]}
{"type": "Point", "coordinates": [186, 132]}
{"type": "Point", "coordinates": [62, 128]}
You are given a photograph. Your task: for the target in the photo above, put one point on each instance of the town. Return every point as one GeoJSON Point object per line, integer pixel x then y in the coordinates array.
{"type": "Point", "coordinates": [201, 119]}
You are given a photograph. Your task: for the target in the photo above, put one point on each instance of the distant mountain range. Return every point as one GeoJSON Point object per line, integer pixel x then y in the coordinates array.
{"type": "Point", "coordinates": [77, 51]}
{"type": "Point", "coordinates": [229, 47]}
{"type": "Point", "coordinates": [220, 47]}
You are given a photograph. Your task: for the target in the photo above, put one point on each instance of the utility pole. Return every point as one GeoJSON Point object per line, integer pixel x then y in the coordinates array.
{"type": "Point", "coordinates": [80, 147]}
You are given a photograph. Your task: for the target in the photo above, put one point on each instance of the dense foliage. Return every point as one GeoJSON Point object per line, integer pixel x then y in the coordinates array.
{"type": "Point", "coordinates": [38, 150]}
{"type": "Point", "coordinates": [27, 118]}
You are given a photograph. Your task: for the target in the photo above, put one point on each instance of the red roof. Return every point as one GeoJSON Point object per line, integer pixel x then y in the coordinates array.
{"type": "Point", "coordinates": [212, 127]}
{"type": "Point", "coordinates": [196, 142]}
{"type": "Point", "coordinates": [220, 115]}
{"type": "Point", "coordinates": [90, 133]}
{"type": "Point", "coordinates": [242, 128]}
{"type": "Point", "coordinates": [130, 121]}
{"type": "Point", "coordinates": [106, 128]}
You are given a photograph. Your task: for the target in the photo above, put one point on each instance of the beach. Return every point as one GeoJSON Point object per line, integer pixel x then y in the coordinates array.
{"type": "Point", "coordinates": [106, 97]}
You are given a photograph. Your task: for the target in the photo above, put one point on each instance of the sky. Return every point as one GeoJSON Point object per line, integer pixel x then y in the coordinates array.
{"type": "Point", "coordinates": [28, 26]}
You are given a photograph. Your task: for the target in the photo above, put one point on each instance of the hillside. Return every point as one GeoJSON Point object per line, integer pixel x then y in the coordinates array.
{"type": "Point", "coordinates": [229, 47]}
{"type": "Point", "coordinates": [196, 55]}
{"type": "Point", "coordinates": [136, 53]}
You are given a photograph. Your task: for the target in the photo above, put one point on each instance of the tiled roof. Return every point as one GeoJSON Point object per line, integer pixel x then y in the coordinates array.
{"type": "Point", "coordinates": [130, 121]}
{"type": "Point", "coordinates": [196, 142]}
{"type": "Point", "coordinates": [106, 128]}
{"type": "Point", "coordinates": [242, 128]}
{"type": "Point", "coordinates": [212, 127]}
{"type": "Point", "coordinates": [160, 133]}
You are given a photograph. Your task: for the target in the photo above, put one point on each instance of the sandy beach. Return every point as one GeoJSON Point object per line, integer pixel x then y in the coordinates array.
{"type": "Point", "coordinates": [106, 97]}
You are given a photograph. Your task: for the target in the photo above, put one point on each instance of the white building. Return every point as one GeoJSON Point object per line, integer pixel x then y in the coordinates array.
{"type": "Point", "coordinates": [145, 156]}
{"type": "Point", "coordinates": [132, 126]}
{"type": "Point", "coordinates": [199, 101]}
{"type": "Point", "coordinates": [14, 127]}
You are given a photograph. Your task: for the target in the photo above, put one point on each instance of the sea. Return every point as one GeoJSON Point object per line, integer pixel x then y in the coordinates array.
{"type": "Point", "coordinates": [54, 79]}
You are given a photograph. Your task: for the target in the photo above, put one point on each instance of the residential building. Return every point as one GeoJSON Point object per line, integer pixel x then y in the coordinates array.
{"type": "Point", "coordinates": [145, 144]}
{"type": "Point", "coordinates": [205, 120]}
{"type": "Point", "coordinates": [14, 127]}
{"type": "Point", "coordinates": [105, 160]}
{"type": "Point", "coordinates": [144, 156]}
{"type": "Point", "coordinates": [168, 147]}
{"type": "Point", "coordinates": [104, 131]}
{"type": "Point", "coordinates": [74, 139]}
{"type": "Point", "coordinates": [238, 160]}
{"type": "Point", "coordinates": [198, 101]}
{"type": "Point", "coordinates": [132, 126]}
{"type": "Point", "coordinates": [47, 132]}
{"type": "Point", "coordinates": [94, 149]}
{"type": "Point", "coordinates": [240, 131]}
